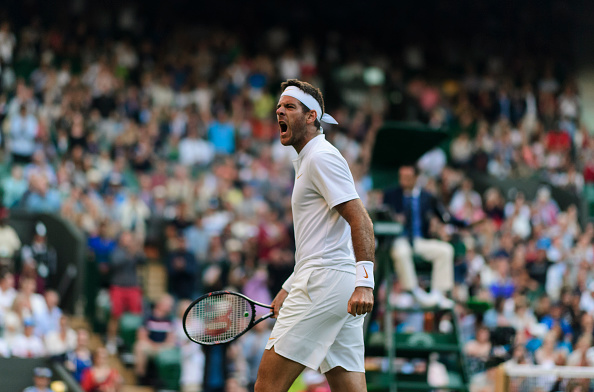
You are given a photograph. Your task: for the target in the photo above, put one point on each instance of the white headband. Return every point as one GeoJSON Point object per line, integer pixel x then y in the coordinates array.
{"type": "Point", "coordinates": [310, 102]}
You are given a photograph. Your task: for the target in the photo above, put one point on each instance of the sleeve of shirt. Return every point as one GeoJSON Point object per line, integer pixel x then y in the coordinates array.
{"type": "Point", "coordinates": [331, 176]}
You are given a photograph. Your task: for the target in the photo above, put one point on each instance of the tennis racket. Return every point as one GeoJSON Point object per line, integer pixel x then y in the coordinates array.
{"type": "Point", "coordinates": [221, 317]}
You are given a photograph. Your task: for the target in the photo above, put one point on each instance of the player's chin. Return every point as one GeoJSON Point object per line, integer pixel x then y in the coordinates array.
{"type": "Point", "coordinates": [285, 140]}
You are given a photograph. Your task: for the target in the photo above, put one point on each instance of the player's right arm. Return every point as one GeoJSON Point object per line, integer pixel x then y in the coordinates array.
{"type": "Point", "coordinates": [282, 294]}
{"type": "Point", "coordinates": [277, 302]}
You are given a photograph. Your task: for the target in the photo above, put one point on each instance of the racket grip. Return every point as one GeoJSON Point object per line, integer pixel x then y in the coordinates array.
{"type": "Point", "coordinates": [266, 316]}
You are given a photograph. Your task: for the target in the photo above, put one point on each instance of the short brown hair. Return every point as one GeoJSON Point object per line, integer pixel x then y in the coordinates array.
{"type": "Point", "coordinates": [309, 89]}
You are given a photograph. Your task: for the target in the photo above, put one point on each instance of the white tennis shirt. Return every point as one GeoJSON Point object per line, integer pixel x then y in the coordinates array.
{"type": "Point", "coordinates": [322, 181]}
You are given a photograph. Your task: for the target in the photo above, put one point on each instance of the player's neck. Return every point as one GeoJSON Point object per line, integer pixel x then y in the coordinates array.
{"type": "Point", "coordinates": [309, 136]}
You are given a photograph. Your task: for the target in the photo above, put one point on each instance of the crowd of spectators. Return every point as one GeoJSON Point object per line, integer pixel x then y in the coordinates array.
{"type": "Point", "coordinates": [172, 144]}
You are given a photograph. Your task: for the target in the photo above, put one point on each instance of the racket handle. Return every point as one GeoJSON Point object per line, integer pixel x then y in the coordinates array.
{"type": "Point", "coordinates": [266, 316]}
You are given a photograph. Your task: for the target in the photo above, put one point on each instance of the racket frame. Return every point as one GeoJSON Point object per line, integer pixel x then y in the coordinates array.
{"type": "Point", "coordinates": [251, 324]}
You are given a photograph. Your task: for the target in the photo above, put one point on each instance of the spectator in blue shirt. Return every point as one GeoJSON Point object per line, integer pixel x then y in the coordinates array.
{"type": "Point", "coordinates": [41, 198]}
{"type": "Point", "coordinates": [221, 133]}
{"type": "Point", "coordinates": [23, 130]}
{"type": "Point", "coordinates": [503, 286]}
{"type": "Point", "coordinates": [555, 318]}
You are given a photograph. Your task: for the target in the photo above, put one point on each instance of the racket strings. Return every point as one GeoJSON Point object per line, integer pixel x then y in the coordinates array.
{"type": "Point", "coordinates": [218, 318]}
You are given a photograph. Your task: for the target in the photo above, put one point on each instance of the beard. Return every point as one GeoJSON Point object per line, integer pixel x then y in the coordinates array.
{"type": "Point", "coordinates": [298, 131]}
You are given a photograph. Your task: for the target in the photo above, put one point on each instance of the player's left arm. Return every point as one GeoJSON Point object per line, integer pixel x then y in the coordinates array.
{"type": "Point", "coordinates": [356, 215]}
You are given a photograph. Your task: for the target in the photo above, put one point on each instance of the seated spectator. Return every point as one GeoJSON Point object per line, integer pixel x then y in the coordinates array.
{"type": "Point", "coordinates": [547, 354]}
{"type": "Point", "coordinates": [15, 317]}
{"type": "Point", "coordinates": [101, 376]}
{"type": "Point", "coordinates": [51, 320]}
{"type": "Point", "coordinates": [194, 150]}
{"type": "Point", "coordinates": [587, 299]}
{"type": "Point", "coordinates": [579, 355]}
{"type": "Point", "coordinates": [59, 343]}
{"type": "Point", "coordinates": [14, 187]}
{"type": "Point", "coordinates": [555, 319]}
{"type": "Point", "coordinates": [479, 349]}
{"type": "Point", "coordinates": [80, 359]}
{"type": "Point", "coordinates": [520, 356]}
{"type": "Point", "coordinates": [41, 380]}
{"type": "Point", "coordinates": [466, 192]}
{"type": "Point", "coordinates": [27, 344]}
{"type": "Point", "coordinates": [155, 335]}
{"type": "Point", "coordinates": [34, 302]}
{"type": "Point", "coordinates": [40, 166]}
{"type": "Point", "coordinates": [7, 290]}
{"type": "Point", "coordinates": [40, 197]}
{"type": "Point", "coordinates": [9, 240]}
{"type": "Point", "coordinates": [496, 316]}
{"type": "Point", "coordinates": [523, 318]}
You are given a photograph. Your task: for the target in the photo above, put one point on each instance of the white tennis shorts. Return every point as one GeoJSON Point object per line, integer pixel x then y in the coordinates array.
{"type": "Point", "coordinates": [313, 327]}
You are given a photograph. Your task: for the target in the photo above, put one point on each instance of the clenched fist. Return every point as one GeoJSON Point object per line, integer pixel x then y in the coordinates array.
{"type": "Point", "coordinates": [361, 301]}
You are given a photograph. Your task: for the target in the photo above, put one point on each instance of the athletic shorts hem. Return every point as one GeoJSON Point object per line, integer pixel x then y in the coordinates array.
{"type": "Point", "coordinates": [326, 368]}
{"type": "Point", "coordinates": [293, 358]}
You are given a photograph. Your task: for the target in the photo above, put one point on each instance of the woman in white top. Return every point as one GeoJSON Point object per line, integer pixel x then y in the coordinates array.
{"type": "Point", "coordinates": [59, 343]}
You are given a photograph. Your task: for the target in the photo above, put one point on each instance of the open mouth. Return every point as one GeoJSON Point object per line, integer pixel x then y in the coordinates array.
{"type": "Point", "coordinates": [283, 127]}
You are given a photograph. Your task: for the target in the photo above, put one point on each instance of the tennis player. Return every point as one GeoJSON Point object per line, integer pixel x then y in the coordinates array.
{"type": "Point", "coordinates": [321, 306]}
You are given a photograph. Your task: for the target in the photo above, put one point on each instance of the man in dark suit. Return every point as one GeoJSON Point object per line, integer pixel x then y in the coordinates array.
{"type": "Point", "coordinates": [414, 208]}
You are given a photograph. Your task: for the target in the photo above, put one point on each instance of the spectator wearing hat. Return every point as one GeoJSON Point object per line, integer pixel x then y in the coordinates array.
{"type": "Point", "coordinates": [27, 344]}
{"type": "Point", "coordinates": [41, 380]}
